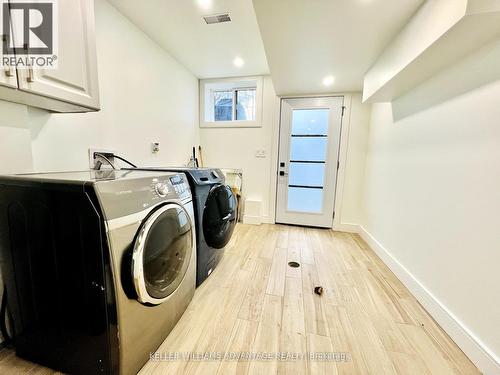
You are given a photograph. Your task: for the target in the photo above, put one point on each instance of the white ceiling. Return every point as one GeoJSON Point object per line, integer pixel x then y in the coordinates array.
{"type": "Point", "coordinates": [307, 40]}
{"type": "Point", "coordinates": [304, 40]}
{"type": "Point", "coordinates": [208, 51]}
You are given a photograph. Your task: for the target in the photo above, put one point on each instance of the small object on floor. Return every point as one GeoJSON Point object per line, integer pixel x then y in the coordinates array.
{"type": "Point", "coordinates": [294, 264]}
{"type": "Point", "coordinates": [319, 290]}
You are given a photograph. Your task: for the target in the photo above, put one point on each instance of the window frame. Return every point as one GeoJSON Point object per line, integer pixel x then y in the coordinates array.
{"type": "Point", "coordinates": [207, 105]}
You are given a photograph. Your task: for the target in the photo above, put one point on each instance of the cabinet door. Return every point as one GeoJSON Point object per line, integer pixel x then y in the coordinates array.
{"type": "Point", "coordinates": [8, 75]}
{"type": "Point", "coordinates": [75, 80]}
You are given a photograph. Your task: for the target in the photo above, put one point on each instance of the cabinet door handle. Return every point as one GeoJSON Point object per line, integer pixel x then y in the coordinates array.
{"type": "Point", "coordinates": [31, 77]}
{"type": "Point", "coordinates": [8, 71]}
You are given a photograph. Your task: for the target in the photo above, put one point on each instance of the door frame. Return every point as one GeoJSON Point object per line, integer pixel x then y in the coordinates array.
{"type": "Point", "coordinates": [344, 141]}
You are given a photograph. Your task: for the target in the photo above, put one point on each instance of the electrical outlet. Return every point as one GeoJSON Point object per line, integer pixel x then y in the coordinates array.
{"type": "Point", "coordinates": [155, 147]}
{"type": "Point", "coordinates": [93, 158]}
{"type": "Point", "coordinates": [260, 153]}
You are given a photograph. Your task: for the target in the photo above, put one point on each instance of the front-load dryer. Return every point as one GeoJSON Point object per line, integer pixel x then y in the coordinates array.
{"type": "Point", "coordinates": [98, 266]}
{"type": "Point", "coordinates": [215, 212]}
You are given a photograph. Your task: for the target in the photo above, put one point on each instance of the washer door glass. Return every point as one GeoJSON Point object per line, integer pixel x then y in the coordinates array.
{"type": "Point", "coordinates": [219, 216]}
{"type": "Point", "coordinates": [162, 253]}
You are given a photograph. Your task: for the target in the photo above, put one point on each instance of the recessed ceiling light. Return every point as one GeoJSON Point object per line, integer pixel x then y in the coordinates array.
{"type": "Point", "coordinates": [238, 62]}
{"type": "Point", "coordinates": [328, 80]}
{"type": "Point", "coordinates": [204, 4]}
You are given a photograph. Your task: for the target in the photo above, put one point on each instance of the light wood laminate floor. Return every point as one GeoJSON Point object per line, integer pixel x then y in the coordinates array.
{"type": "Point", "coordinates": [255, 303]}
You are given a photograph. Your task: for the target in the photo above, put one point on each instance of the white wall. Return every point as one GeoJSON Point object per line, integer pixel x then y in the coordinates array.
{"type": "Point", "coordinates": [15, 139]}
{"type": "Point", "coordinates": [236, 147]}
{"type": "Point", "coordinates": [355, 128]}
{"type": "Point", "coordinates": [146, 96]}
{"type": "Point", "coordinates": [432, 194]}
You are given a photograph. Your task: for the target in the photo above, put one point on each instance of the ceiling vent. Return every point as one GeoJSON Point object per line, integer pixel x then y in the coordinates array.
{"type": "Point", "coordinates": [217, 18]}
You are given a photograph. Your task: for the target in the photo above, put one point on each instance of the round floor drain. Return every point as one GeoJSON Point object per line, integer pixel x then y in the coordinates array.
{"type": "Point", "coordinates": [293, 264]}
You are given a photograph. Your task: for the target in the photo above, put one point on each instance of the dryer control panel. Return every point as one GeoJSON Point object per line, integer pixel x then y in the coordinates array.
{"type": "Point", "coordinates": [171, 187]}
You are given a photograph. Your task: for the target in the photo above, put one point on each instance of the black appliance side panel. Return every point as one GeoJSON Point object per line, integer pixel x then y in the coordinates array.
{"type": "Point", "coordinates": [206, 257]}
{"type": "Point", "coordinates": [54, 267]}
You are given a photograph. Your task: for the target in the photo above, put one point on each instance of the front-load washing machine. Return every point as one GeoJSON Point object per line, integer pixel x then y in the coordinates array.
{"type": "Point", "coordinates": [98, 266]}
{"type": "Point", "coordinates": [215, 212]}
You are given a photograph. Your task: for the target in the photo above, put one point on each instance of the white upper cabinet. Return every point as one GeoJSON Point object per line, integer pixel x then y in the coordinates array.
{"type": "Point", "coordinates": [8, 75]}
{"type": "Point", "coordinates": [73, 85]}
{"type": "Point", "coordinates": [75, 79]}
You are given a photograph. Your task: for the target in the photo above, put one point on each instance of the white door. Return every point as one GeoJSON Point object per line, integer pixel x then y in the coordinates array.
{"type": "Point", "coordinates": [75, 79]}
{"type": "Point", "coordinates": [308, 160]}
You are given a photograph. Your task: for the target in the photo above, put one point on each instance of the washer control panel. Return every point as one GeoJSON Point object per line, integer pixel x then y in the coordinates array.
{"type": "Point", "coordinates": [172, 187]}
{"type": "Point", "coordinates": [179, 184]}
{"type": "Point", "coordinates": [161, 189]}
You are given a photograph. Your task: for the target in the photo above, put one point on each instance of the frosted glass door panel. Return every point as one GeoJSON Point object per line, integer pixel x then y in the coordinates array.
{"type": "Point", "coordinates": [308, 145]}
{"type": "Point", "coordinates": [310, 122]}
{"type": "Point", "coordinates": [308, 148]}
{"type": "Point", "coordinates": [305, 200]}
{"type": "Point", "coordinates": [307, 174]}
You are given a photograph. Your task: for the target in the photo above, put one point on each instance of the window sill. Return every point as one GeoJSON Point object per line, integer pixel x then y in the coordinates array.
{"type": "Point", "coordinates": [231, 124]}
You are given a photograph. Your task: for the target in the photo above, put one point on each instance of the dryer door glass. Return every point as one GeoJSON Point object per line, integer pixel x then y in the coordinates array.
{"type": "Point", "coordinates": [219, 216]}
{"type": "Point", "coordinates": [162, 253]}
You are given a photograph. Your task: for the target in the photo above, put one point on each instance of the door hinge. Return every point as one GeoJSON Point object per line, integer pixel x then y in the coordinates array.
{"type": "Point", "coordinates": [338, 165]}
{"type": "Point", "coordinates": [343, 110]}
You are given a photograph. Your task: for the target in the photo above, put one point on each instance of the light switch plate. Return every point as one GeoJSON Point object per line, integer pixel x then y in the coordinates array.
{"type": "Point", "coordinates": [260, 153]}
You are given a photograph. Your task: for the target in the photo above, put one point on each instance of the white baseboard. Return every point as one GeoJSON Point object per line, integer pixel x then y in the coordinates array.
{"type": "Point", "coordinates": [267, 220]}
{"type": "Point", "coordinates": [253, 220]}
{"type": "Point", "coordinates": [478, 353]}
{"type": "Point", "coordinates": [346, 227]}
{"type": "Point", "coordinates": [257, 220]}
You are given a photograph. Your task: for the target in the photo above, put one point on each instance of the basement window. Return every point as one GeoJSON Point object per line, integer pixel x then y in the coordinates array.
{"type": "Point", "coordinates": [235, 102]}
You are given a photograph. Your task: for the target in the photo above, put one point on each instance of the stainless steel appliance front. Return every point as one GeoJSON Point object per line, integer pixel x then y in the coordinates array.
{"type": "Point", "coordinates": [165, 253]}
